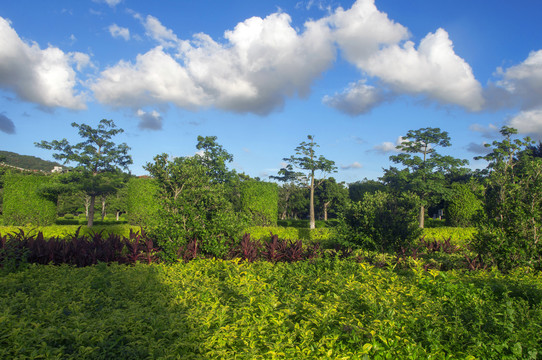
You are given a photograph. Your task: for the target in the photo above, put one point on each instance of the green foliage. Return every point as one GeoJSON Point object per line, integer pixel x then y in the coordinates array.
{"type": "Point", "coordinates": [512, 234]}
{"type": "Point", "coordinates": [463, 207]}
{"type": "Point", "coordinates": [459, 236]}
{"type": "Point", "coordinates": [357, 189]}
{"type": "Point", "coordinates": [214, 159]}
{"type": "Point", "coordinates": [293, 201]}
{"type": "Point", "coordinates": [191, 207]}
{"type": "Point", "coordinates": [67, 231]}
{"type": "Point", "coordinates": [302, 168]}
{"type": "Point", "coordinates": [214, 309]}
{"type": "Point", "coordinates": [22, 203]}
{"type": "Point", "coordinates": [381, 221]}
{"type": "Point", "coordinates": [99, 160]}
{"type": "Point", "coordinates": [141, 204]}
{"type": "Point", "coordinates": [264, 233]}
{"type": "Point", "coordinates": [260, 201]}
{"type": "Point", "coordinates": [424, 174]}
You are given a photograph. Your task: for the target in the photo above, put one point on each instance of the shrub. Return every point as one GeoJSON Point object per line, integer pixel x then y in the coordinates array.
{"type": "Point", "coordinates": [463, 206]}
{"type": "Point", "coordinates": [381, 221]}
{"type": "Point", "coordinates": [142, 204]}
{"type": "Point", "coordinates": [260, 201]}
{"type": "Point", "coordinates": [22, 202]}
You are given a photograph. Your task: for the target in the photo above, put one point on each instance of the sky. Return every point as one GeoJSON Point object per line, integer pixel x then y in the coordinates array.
{"type": "Point", "coordinates": [262, 75]}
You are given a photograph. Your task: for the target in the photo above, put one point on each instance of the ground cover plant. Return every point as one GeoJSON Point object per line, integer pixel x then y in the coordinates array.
{"type": "Point", "coordinates": [326, 308]}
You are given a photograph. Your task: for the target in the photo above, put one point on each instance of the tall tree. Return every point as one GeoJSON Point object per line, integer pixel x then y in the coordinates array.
{"type": "Point", "coordinates": [214, 158]}
{"type": "Point", "coordinates": [302, 168]}
{"type": "Point", "coordinates": [331, 196]}
{"type": "Point", "coordinates": [425, 169]}
{"type": "Point", "coordinates": [99, 160]}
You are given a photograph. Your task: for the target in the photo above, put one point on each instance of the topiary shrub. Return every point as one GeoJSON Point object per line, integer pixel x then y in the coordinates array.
{"type": "Point", "coordinates": [259, 200]}
{"type": "Point", "coordinates": [142, 204]}
{"type": "Point", "coordinates": [22, 203]}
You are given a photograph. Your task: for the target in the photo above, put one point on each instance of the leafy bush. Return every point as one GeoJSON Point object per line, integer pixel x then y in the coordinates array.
{"type": "Point", "coordinates": [381, 221]}
{"type": "Point", "coordinates": [290, 233]}
{"type": "Point", "coordinates": [459, 236]}
{"type": "Point", "coordinates": [142, 204]}
{"type": "Point", "coordinates": [463, 207]}
{"type": "Point", "coordinates": [260, 201]}
{"type": "Point", "coordinates": [22, 203]}
{"type": "Point", "coordinates": [191, 206]}
{"type": "Point", "coordinates": [217, 309]}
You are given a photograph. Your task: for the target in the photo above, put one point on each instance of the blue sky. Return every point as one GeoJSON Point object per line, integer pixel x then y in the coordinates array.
{"type": "Point", "coordinates": [262, 75]}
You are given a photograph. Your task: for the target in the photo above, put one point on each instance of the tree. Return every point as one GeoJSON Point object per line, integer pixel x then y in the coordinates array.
{"type": "Point", "coordinates": [99, 160]}
{"type": "Point", "coordinates": [424, 174]}
{"type": "Point", "coordinates": [512, 232]}
{"type": "Point", "coordinates": [214, 158]}
{"type": "Point", "coordinates": [192, 207]}
{"type": "Point", "coordinates": [330, 196]}
{"type": "Point", "coordinates": [308, 163]}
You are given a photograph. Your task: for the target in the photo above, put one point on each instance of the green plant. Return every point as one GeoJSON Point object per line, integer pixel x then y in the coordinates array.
{"type": "Point", "coordinates": [463, 206]}
{"type": "Point", "coordinates": [260, 201]}
{"type": "Point", "coordinates": [22, 202]}
{"type": "Point", "coordinates": [381, 221]}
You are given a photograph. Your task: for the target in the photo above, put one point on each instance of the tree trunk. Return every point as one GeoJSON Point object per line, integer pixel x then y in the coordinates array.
{"type": "Point", "coordinates": [326, 204]}
{"type": "Point", "coordinates": [103, 208]}
{"type": "Point", "coordinates": [312, 221]}
{"type": "Point", "coordinates": [90, 219]}
{"type": "Point", "coordinates": [422, 216]}
{"type": "Point", "coordinates": [87, 205]}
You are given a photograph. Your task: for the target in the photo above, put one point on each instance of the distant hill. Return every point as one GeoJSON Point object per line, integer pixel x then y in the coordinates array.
{"type": "Point", "coordinates": [26, 162]}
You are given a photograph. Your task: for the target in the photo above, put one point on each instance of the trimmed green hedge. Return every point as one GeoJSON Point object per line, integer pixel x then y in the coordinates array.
{"type": "Point", "coordinates": [260, 201]}
{"type": "Point", "coordinates": [65, 231]}
{"type": "Point", "coordinates": [290, 233]}
{"type": "Point", "coordinates": [142, 205]}
{"type": "Point", "coordinates": [23, 205]}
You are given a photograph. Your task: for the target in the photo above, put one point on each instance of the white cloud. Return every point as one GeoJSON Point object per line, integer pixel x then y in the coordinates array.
{"type": "Point", "coordinates": [119, 32]}
{"type": "Point", "coordinates": [388, 147]}
{"type": "Point", "coordinates": [111, 3]}
{"type": "Point", "coordinates": [354, 165]}
{"type": "Point", "coordinates": [433, 70]}
{"type": "Point", "coordinates": [357, 99]}
{"type": "Point", "coordinates": [150, 121]}
{"type": "Point", "coordinates": [528, 122]}
{"type": "Point", "coordinates": [262, 62]}
{"type": "Point", "coordinates": [44, 77]}
{"type": "Point", "coordinates": [523, 83]}
{"type": "Point", "coordinates": [363, 30]}
{"type": "Point", "coordinates": [158, 32]}
{"type": "Point", "coordinates": [377, 46]}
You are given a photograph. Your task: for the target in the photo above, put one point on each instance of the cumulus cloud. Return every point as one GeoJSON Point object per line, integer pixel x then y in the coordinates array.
{"type": "Point", "coordinates": [388, 147]}
{"type": "Point", "coordinates": [528, 122]}
{"type": "Point", "coordinates": [119, 32]}
{"type": "Point", "coordinates": [522, 83]}
{"type": "Point", "coordinates": [42, 76]}
{"type": "Point", "coordinates": [149, 121]}
{"type": "Point", "coordinates": [6, 124]}
{"type": "Point", "coordinates": [379, 48]}
{"type": "Point", "coordinates": [262, 62]}
{"type": "Point", "coordinates": [358, 98]}
{"type": "Point", "coordinates": [354, 165]}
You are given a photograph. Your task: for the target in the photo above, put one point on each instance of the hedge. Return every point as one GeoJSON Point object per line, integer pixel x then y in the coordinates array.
{"type": "Point", "coordinates": [142, 205]}
{"type": "Point", "coordinates": [23, 205]}
{"type": "Point", "coordinates": [260, 201]}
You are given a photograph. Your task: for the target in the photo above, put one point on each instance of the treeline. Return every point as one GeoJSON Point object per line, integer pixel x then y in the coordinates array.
{"type": "Point", "coordinates": [26, 162]}
{"type": "Point", "coordinates": [199, 197]}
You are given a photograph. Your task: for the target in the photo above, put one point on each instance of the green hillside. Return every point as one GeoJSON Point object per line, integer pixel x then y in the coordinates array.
{"type": "Point", "coordinates": [26, 162]}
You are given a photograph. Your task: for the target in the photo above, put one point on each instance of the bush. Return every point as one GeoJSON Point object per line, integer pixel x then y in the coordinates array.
{"type": "Point", "coordinates": [381, 221]}
{"type": "Point", "coordinates": [142, 203]}
{"type": "Point", "coordinates": [22, 202]}
{"type": "Point", "coordinates": [259, 200]}
{"type": "Point", "coordinates": [463, 206]}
